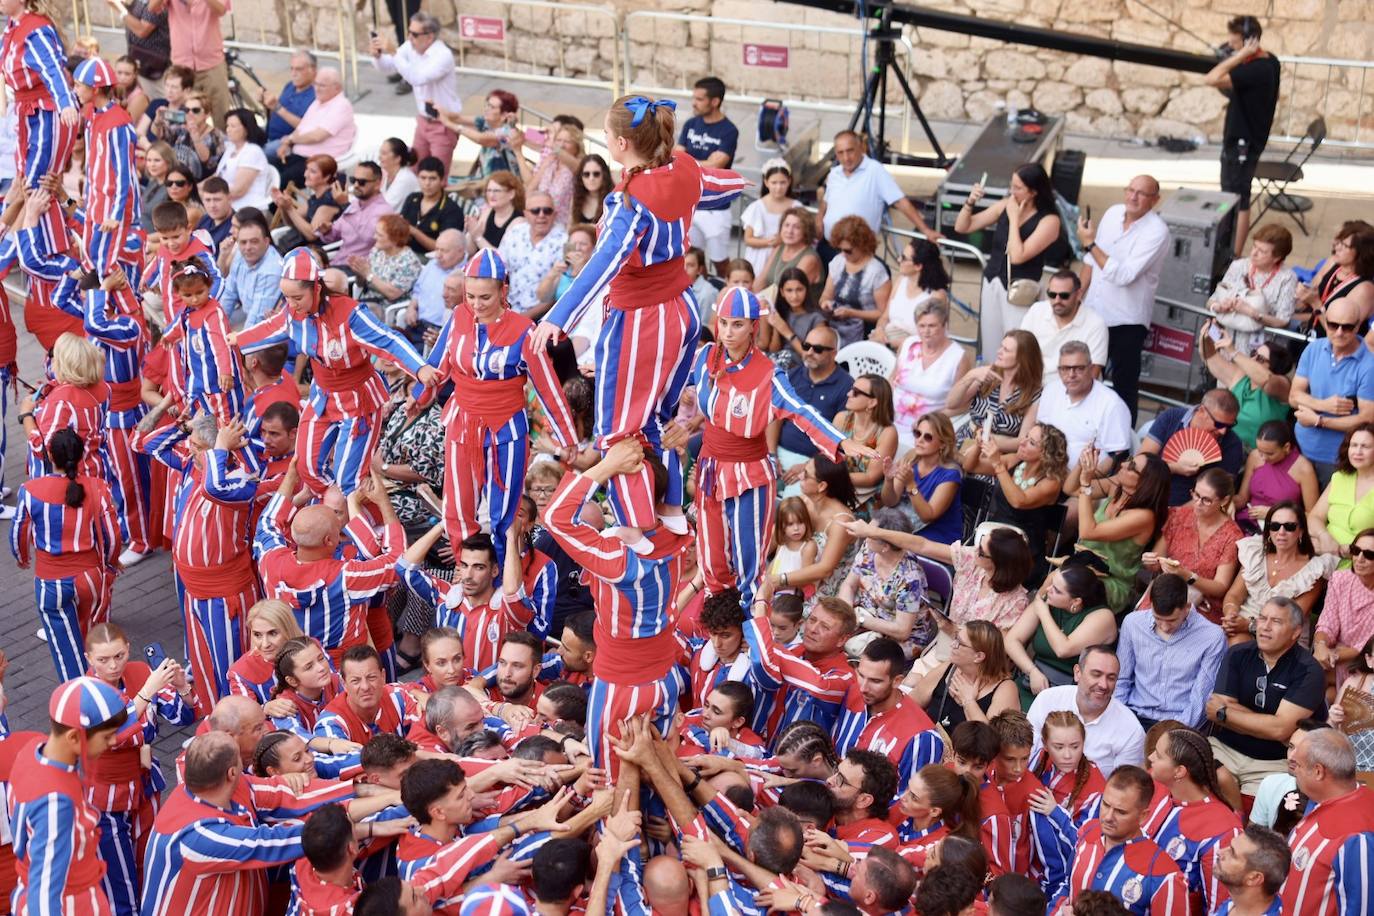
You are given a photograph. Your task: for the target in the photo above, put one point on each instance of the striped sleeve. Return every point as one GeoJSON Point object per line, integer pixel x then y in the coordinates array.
{"type": "Point", "coordinates": [33, 257]}
{"type": "Point", "coordinates": [1171, 897]}
{"type": "Point", "coordinates": [19, 530]}
{"type": "Point", "coordinates": [1053, 838]}
{"type": "Point", "coordinates": [721, 185]}
{"type": "Point", "coordinates": [44, 55]}
{"type": "Point", "coordinates": [446, 872]}
{"type": "Point", "coordinates": [818, 429]}
{"type": "Point", "coordinates": [276, 801]}
{"type": "Point", "coordinates": [270, 534]}
{"type": "Point", "coordinates": [620, 228]}
{"type": "Point", "coordinates": [825, 686]}
{"type": "Point", "coordinates": [120, 149]}
{"type": "Point", "coordinates": [108, 533]}
{"type": "Point", "coordinates": [221, 485]}
{"type": "Point", "coordinates": [383, 341]}
{"type": "Point", "coordinates": [50, 851]}
{"type": "Point", "coordinates": [599, 554]}
{"type": "Point", "coordinates": [162, 444]}
{"type": "Point", "coordinates": [1353, 872]}
{"type": "Point", "coordinates": [549, 391]}
{"type": "Point", "coordinates": [116, 330]}
{"type": "Point", "coordinates": [332, 766]}
{"type": "Point", "coordinates": [997, 841]}
{"type": "Point", "coordinates": [266, 333]}
{"type": "Point", "coordinates": [218, 846]}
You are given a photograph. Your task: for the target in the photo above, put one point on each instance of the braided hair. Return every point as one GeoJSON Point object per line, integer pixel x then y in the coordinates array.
{"type": "Point", "coordinates": [65, 451]}
{"type": "Point", "coordinates": [1191, 751]}
{"type": "Point", "coordinates": [805, 739]}
{"type": "Point", "coordinates": [1066, 719]}
{"type": "Point", "coordinates": [268, 752]}
{"type": "Point", "coordinates": [286, 663]}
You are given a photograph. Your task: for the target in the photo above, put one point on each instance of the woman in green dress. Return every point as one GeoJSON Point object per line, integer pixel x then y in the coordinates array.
{"type": "Point", "coordinates": [1069, 615]}
{"type": "Point", "coordinates": [1120, 516]}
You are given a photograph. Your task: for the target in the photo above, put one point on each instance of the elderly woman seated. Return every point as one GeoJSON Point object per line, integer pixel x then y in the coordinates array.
{"type": "Point", "coordinates": [885, 586]}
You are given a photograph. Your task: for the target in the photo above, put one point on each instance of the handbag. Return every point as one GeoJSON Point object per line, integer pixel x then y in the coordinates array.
{"type": "Point", "coordinates": [1020, 293]}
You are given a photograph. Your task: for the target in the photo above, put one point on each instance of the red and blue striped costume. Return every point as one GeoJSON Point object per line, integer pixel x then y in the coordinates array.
{"type": "Point", "coordinates": [903, 734]}
{"type": "Point", "coordinates": [1275, 907]}
{"type": "Point", "coordinates": [34, 64]}
{"type": "Point", "coordinates": [74, 551]}
{"type": "Point", "coordinates": [1016, 797]}
{"type": "Point", "coordinates": [252, 676]}
{"type": "Point", "coordinates": [256, 402]}
{"type": "Point", "coordinates": [1333, 858]}
{"type": "Point", "coordinates": [736, 492]}
{"type": "Point", "coordinates": [342, 418]}
{"type": "Point", "coordinates": [396, 713]}
{"type": "Point", "coordinates": [81, 408]}
{"type": "Point", "coordinates": [56, 839]}
{"type": "Point", "coordinates": [53, 305]}
{"type": "Point", "coordinates": [917, 843]}
{"type": "Point", "coordinates": [811, 689]}
{"type": "Point", "coordinates": [417, 854]}
{"type": "Point", "coordinates": [127, 794]}
{"type": "Point", "coordinates": [112, 191]}
{"type": "Point", "coordinates": [1193, 835]}
{"type": "Point", "coordinates": [9, 344]}
{"type": "Point", "coordinates": [206, 859]}
{"type": "Point", "coordinates": [481, 625]}
{"type": "Point", "coordinates": [115, 324]}
{"type": "Point", "coordinates": [205, 370]}
{"type": "Point", "coordinates": [159, 275]}
{"type": "Point", "coordinates": [330, 597]}
{"type": "Point", "coordinates": [652, 323]}
{"type": "Point", "coordinates": [486, 430]}
{"type": "Point", "coordinates": [707, 671]}
{"type": "Point", "coordinates": [1054, 837]}
{"type": "Point", "coordinates": [214, 568]}
{"type": "Point", "coordinates": [636, 646]}
{"type": "Point", "coordinates": [1137, 872]}
{"type": "Point", "coordinates": [311, 895]}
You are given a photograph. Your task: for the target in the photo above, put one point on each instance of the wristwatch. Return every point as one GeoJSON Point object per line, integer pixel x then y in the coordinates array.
{"type": "Point", "coordinates": [716, 873]}
{"type": "Point", "coordinates": [1221, 714]}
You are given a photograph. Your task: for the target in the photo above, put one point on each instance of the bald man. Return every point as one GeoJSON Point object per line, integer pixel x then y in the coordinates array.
{"type": "Point", "coordinates": [329, 592]}
{"type": "Point", "coordinates": [531, 249]}
{"type": "Point", "coordinates": [327, 127]}
{"type": "Point", "coordinates": [242, 719]}
{"type": "Point", "coordinates": [428, 306]}
{"type": "Point", "coordinates": [667, 888]}
{"type": "Point", "coordinates": [1122, 260]}
{"type": "Point", "coordinates": [1333, 388]}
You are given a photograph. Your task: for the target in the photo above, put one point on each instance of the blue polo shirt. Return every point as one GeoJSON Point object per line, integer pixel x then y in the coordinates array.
{"type": "Point", "coordinates": [1176, 418]}
{"type": "Point", "coordinates": [827, 396]}
{"type": "Point", "coordinates": [700, 140]}
{"type": "Point", "coordinates": [293, 100]}
{"type": "Point", "coordinates": [1350, 377]}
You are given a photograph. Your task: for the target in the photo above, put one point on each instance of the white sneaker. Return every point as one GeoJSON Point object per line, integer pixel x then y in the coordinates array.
{"type": "Point", "coordinates": [131, 557]}
{"type": "Point", "coordinates": [7, 512]}
{"type": "Point", "coordinates": [42, 634]}
{"type": "Point", "coordinates": [6, 492]}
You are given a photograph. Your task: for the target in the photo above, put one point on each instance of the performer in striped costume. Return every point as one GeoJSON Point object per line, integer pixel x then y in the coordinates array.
{"type": "Point", "coordinates": [270, 625]}
{"type": "Point", "coordinates": [644, 351]}
{"type": "Point", "coordinates": [50, 282]}
{"type": "Point", "coordinates": [341, 422]}
{"type": "Point", "coordinates": [113, 203]}
{"type": "Point", "coordinates": [66, 523]}
{"type": "Point", "coordinates": [368, 706]}
{"type": "Point", "coordinates": [485, 349]}
{"type": "Point", "coordinates": [176, 242]}
{"type": "Point", "coordinates": [205, 370]}
{"type": "Point", "coordinates": [75, 399]}
{"type": "Point", "coordinates": [815, 678]}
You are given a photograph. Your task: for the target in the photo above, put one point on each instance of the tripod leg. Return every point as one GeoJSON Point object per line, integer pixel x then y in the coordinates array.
{"type": "Point", "coordinates": [880, 152]}
{"type": "Point", "coordinates": [865, 106]}
{"type": "Point", "coordinates": [920, 115]}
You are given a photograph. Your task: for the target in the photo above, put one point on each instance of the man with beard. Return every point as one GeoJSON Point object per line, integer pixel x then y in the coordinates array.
{"type": "Point", "coordinates": [516, 663]}
{"type": "Point", "coordinates": [1114, 736]}
{"type": "Point", "coordinates": [890, 722]}
{"type": "Point", "coordinates": [1060, 318]}
{"type": "Point", "coordinates": [1252, 867]}
{"type": "Point", "coordinates": [864, 785]}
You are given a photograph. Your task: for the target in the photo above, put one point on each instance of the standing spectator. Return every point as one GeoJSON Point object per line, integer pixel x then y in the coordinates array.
{"type": "Point", "coordinates": [252, 286]}
{"type": "Point", "coordinates": [1216, 416]}
{"type": "Point", "coordinates": [398, 179]}
{"type": "Point", "coordinates": [494, 131]}
{"type": "Point", "coordinates": [198, 44]}
{"type": "Point", "coordinates": [1015, 255]}
{"type": "Point", "coordinates": [1263, 690]}
{"type": "Point", "coordinates": [1124, 257]}
{"type": "Point", "coordinates": [1169, 657]}
{"type": "Point", "coordinates": [1249, 77]}
{"type": "Point", "coordinates": [594, 182]}
{"type": "Point", "coordinates": [127, 90]}
{"type": "Point", "coordinates": [530, 249]}
{"type": "Point", "coordinates": [710, 138]}
{"type": "Point", "coordinates": [858, 185]}
{"type": "Point", "coordinates": [428, 309]}
{"type": "Point", "coordinates": [1333, 389]}
{"type": "Point", "coordinates": [858, 284]}
{"type": "Point", "coordinates": [820, 382]}
{"type": "Point", "coordinates": [390, 269]}
{"type": "Point", "coordinates": [356, 227]}
{"type": "Point", "coordinates": [218, 221]}
{"type": "Point", "coordinates": [321, 205]}
{"type": "Point", "coordinates": [425, 65]}
{"type": "Point", "coordinates": [286, 108]}
{"type": "Point", "coordinates": [327, 128]}
{"type": "Point", "coordinates": [1060, 318]}
{"type": "Point", "coordinates": [429, 210]}
{"type": "Point", "coordinates": [1346, 626]}
{"type": "Point", "coordinates": [1085, 410]}
{"type": "Point", "coordinates": [244, 164]}
{"type": "Point", "coordinates": [148, 41]}
{"type": "Point", "coordinates": [1114, 737]}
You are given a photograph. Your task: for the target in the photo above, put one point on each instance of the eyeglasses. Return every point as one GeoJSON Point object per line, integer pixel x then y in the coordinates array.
{"type": "Point", "coordinates": [816, 348]}
{"type": "Point", "coordinates": [1203, 500]}
{"type": "Point", "coordinates": [1064, 295]}
{"type": "Point", "coordinates": [177, 183]}
{"type": "Point", "coordinates": [925, 437]}
{"type": "Point", "coordinates": [359, 180]}
{"type": "Point", "coordinates": [860, 392]}
{"type": "Point", "coordinates": [541, 211]}
{"type": "Point", "coordinates": [1358, 552]}
{"type": "Point", "coordinates": [190, 110]}
{"type": "Point", "coordinates": [849, 250]}
{"type": "Point", "coordinates": [1262, 360]}
{"type": "Point", "coordinates": [418, 34]}
{"type": "Point", "coordinates": [544, 491]}
{"type": "Point", "coordinates": [1341, 243]}
{"type": "Point", "coordinates": [1221, 427]}
{"type": "Point", "coordinates": [596, 174]}
{"type": "Point", "coordinates": [1074, 370]}
{"type": "Point", "coordinates": [1283, 526]}
{"type": "Point", "coordinates": [838, 781]}
{"type": "Point", "coordinates": [1340, 326]}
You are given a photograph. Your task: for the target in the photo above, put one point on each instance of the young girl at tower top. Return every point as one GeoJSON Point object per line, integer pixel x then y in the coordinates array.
{"type": "Point", "coordinates": [644, 353]}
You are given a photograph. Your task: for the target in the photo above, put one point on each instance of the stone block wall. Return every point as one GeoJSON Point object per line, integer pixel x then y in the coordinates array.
{"type": "Point", "coordinates": [957, 76]}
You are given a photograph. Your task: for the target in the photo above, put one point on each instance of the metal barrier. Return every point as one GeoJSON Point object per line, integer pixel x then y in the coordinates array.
{"type": "Point", "coordinates": [477, 35]}
{"type": "Point", "coordinates": [1332, 88]}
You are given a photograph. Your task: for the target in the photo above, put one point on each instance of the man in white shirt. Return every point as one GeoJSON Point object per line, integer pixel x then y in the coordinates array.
{"type": "Point", "coordinates": [1059, 318]}
{"type": "Point", "coordinates": [1115, 737]}
{"type": "Point", "coordinates": [1082, 408]}
{"type": "Point", "coordinates": [427, 312]}
{"type": "Point", "coordinates": [530, 249]}
{"type": "Point", "coordinates": [426, 64]}
{"type": "Point", "coordinates": [1122, 261]}
{"type": "Point", "coordinates": [860, 186]}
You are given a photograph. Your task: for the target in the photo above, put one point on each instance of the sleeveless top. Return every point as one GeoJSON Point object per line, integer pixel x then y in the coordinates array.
{"type": "Point", "coordinates": [494, 232]}
{"type": "Point", "coordinates": [1123, 563]}
{"type": "Point", "coordinates": [1330, 290]}
{"type": "Point", "coordinates": [917, 390]}
{"type": "Point", "coordinates": [997, 256]}
{"type": "Point", "coordinates": [901, 308]}
{"type": "Point", "coordinates": [778, 265]}
{"type": "Point", "coordinates": [1271, 485]}
{"type": "Point", "coordinates": [1043, 654]}
{"type": "Point", "coordinates": [1347, 517]}
{"type": "Point", "coordinates": [945, 711]}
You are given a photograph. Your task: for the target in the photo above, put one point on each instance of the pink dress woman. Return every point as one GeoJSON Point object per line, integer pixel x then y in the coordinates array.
{"type": "Point", "coordinates": [916, 390]}
{"type": "Point", "coordinates": [1270, 485]}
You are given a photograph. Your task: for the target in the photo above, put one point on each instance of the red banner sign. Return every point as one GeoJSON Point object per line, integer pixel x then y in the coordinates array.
{"type": "Point", "coordinates": [482, 28]}
{"type": "Point", "coordinates": [773, 56]}
{"type": "Point", "coordinates": [1170, 342]}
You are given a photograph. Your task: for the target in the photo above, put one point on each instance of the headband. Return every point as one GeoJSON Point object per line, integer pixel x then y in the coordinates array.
{"type": "Point", "coordinates": [640, 106]}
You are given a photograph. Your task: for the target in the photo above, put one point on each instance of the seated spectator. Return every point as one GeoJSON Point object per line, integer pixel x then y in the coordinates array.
{"type": "Point", "coordinates": [398, 176]}
{"type": "Point", "coordinates": [530, 249]}
{"type": "Point", "coordinates": [576, 251]}
{"type": "Point", "coordinates": [505, 204]}
{"type": "Point", "coordinates": [1060, 318]}
{"type": "Point", "coordinates": [794, 314]}
{"type": "Point", "coordinates": [1199, 542]}
{"type": "Point", "coordinates": [1169, 656]}
{"type": "Point", "coordinates": [1067, 618]}
{"type": "Point", "coordinates": [829, 496]}
{"type": "Point", "coordinates": [857, 285]}
{"type": "Point", "coordinates": [197, 143]}
{"type": "Point", "coordinates": [762, 219]}
{"type": "Point", "coordinates": [974, 684]}
{"type": "Point", "coordinates": [430, 210]}
{"type": "Point", "coordinates": [925, 483]}
{"type": "Point", "coordinates": [796, 250]}
{"type": "Point", "coordinates": [1119, 516]}
{"type": "Point", "coordinates": [885, 587]}
{"type": "Point", "coordinates": [158, 160]}
{"type": "Point", "coordinates": [594, 182]}
{"type": "Point", "coordinates": [1087, 411]}
{"type": "Point", "coordinates": [928, 363]}
{"type": "Point", "coordinates": [921, 279]}
{"type": "Point", "coordinates": [560, 151]}
{"type": "Point", "coordinates": [1216, 416]}
{"type": "Point", "coordinates": [1353, 710]}
{"type": "Point", "coordinates": [1257, 292]}
{"type": "Point", "coordinates": [1000, 397]}
{"type": "Point", "coordinates": [218, 221]}
{"type": "Point", "coordinates": [1348, 275]}
{"type": "Point", "coordinates": [1333, 388]}
{"type": "Point", "coordinates": [493, 131]}
{"type": "Point", "coordinates": [181, 189]}
{"type": "Point", "coordinates": [1028, 484]}
{"type": "Point", "coordinates": [704, 290]}
{"type": "Point", "coordinates": [867, 419]}
{"type": "Point", "coordinates": [1278, 804]}
{"type": "Point", "coordinates": [428, 310]}
{"type": "Point", "coordinates": [1275, 472]}
{"type": "Point", "coordinates": [356, 227]}
{"type": "Point", "coordinates": [1346, 626]}
{"type": "Point", "coordinates": [252, 284]}
{"type": "Point", "coordinates": [1347, 504]}
{"type": "Point", "coordinates": [818, 381]}
{"type": "Point", "coordinates": [1114, 737]}
{"type": "Point", "coordinates": [327, 128]}
{"type": "Point", "coordinates": [1278, 562]}
{"type": "Point", "coordinates": [390, 270]}
{"type": "Point", "coordinates": [286, 108]}
{"type": "Point", "coordinates": [1263, 690]}
{"type": "Point", "coordinates": [244, 165]}
{"type": "Point", "coordinates": [169, 112]}
{"type": "Point", "coordinates": [1259, 380]}
{"type": "Point", "coordinates": [127, 90]}
{"type": "Point", "coordinates": [321, 205]}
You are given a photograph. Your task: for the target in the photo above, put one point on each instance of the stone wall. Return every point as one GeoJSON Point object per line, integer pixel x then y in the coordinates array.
{"type": "Point", "coordinates": [957, 76]}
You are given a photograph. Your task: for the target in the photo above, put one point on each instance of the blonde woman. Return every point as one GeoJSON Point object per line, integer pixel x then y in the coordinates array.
{"type": "Point", "coordinates": [926, 481]}
{"type": "Point", "coordinates": [270, 623]}
{"type": "Point", "coordinates": [75, 399]}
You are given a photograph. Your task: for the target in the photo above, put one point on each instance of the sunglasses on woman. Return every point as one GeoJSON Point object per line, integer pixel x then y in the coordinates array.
{"type": "Point", "coordinates": [1283, 526]}
{"type": "Point", "coordinates": [178, 183]}
{"type": "Point", "coordinates": [595, 174]}
{"type": "Point", "coordinates": [1358, 552]}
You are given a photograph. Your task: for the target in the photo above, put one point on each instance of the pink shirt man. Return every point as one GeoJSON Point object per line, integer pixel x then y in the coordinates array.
{"type": "Point", "coordinates": [334, 116]}
{"type": "Point", "coordinates": [195, 28]}
{"type": "Point", "coordinates": [356, 228]}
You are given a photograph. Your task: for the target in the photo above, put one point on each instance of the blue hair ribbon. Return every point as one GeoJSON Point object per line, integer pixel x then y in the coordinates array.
{"type": "Point", "coordinates": [641, 106]}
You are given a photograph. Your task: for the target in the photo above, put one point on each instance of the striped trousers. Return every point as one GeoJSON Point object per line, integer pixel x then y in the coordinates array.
{"type": "Point", "coordinates": [44, 148]}
{"type": "Point", "coordinates": [130, 475]}
{"type": "Point", "coordinates": [214, 640]}
{"type": "Point", "coordinates": [500, 478]}
{"type": "Point", "coordinates": [335, 450]}
{"type": "Point", "coordinates": [732, 539]}
{"type": "Point", "coordinates": [67, 608]}
{"type": "Point", "coordinates": [608, 705]}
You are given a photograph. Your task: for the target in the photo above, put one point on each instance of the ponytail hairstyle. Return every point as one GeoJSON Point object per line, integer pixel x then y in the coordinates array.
{"type": "Point", "coordinates": [1191, 751]}
{"type": "Point", "coordinates": [65, 451]}
{"type": "Point", "coordinates": [806, 739]}
{"type": "Point", "coordinates": [286, 663]}
{"type": "Point", "coordinates": [957, 798]}
{"type": "Point", "coordinates": [648, 125]}
{"type": "Point", "coordinates": [1065, 719]}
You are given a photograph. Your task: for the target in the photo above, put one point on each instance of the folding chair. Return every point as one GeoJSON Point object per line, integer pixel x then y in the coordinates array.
{"type": "Point", "coordinates": [939, 580]}
{"type": "Point", "coordinates": [1276, 175]}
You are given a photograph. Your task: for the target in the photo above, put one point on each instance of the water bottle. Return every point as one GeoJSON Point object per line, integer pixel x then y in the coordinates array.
{"type": "Point", "coordinates": [1012, 112]}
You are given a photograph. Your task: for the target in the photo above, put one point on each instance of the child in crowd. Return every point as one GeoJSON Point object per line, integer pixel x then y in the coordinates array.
{"type": "Point", "coordinates": [795, 536]}
{"type": "Point", "coordinates": [176, 242]}
{"type": "Point", "coordinates": [206, 370]}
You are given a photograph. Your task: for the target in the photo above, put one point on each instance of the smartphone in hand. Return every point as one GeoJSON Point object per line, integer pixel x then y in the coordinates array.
{"type": "Point", "coordinates": [431, 111]}
{"type": "Point", "coordinates": [155, 654]}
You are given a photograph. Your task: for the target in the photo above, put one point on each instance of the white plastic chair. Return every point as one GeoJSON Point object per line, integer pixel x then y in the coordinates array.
{"type": "Point", "coordinates": [867, 357]}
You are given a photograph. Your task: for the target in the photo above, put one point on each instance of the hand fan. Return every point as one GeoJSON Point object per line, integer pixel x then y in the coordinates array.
{"type": "Point", "coordinates": [1192, 445]}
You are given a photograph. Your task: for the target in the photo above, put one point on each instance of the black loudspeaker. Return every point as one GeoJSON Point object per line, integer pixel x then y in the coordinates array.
{"type": "Point", "coordinates": [1067, 173]}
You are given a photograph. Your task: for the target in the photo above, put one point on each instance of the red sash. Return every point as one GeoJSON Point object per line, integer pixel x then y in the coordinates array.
{"type": "Point", "coordinates": [387, 720]}
{"type": "Point", "coordinates": [222, 580]}
{"type": "Point", "coordinates": [486, 405]}
{"type": "Point", "coordinates": [124, 765]}
{"type": "Point", "coordinates": [126, 395]}
{"type": "Point", "coordinates": [28, 24]}
{"type": "Point", "coordinates": [64, 565]}
{"type": "Point", "coordinates": [640, 287]}
{"type": "Point", "coordinates": [333, 379]}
